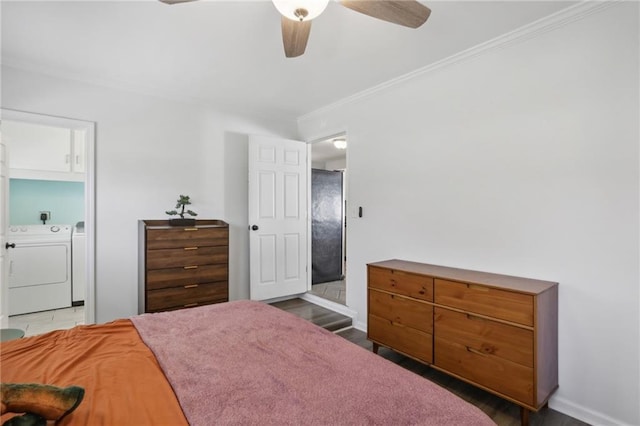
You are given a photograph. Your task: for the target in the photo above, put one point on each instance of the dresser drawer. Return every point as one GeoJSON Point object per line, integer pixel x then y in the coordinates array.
{"type": "Point", "coordinates": [186, 296]}
{"type": "Point", "coordinates": [400, 282]}
{"type": "Point", "coordinates": [480, 299]}
{"type": "Point", "coordinates": [407, 340]}
{"type": "Point", "coordinates": [401, 310]}
{"type": "Point", "coordinates": [486, 336]}
{"type": "Point", "coordinates": [497, 374]}
{"type": "Point", "coordinates": [178, 277]}
{"type": "Point", "coordinates": [187, 256]}
{"type": "Point", "coordinates": [180, 237]}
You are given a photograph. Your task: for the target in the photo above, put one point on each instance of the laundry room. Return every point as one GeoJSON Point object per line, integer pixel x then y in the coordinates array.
{"type": "Point", "coordinates": [45, 236]}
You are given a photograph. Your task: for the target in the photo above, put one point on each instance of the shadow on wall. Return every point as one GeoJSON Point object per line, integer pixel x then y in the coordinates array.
{"type": "Point", "coordinates": [236, 205]}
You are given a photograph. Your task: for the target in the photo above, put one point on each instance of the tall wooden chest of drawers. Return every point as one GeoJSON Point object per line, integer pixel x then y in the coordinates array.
{"type": "Point", "coordinates": [497, 332]}
{"type": "Point", "coordinates": [182, 266]}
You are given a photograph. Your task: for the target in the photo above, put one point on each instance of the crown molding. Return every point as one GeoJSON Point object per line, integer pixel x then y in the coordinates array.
{"type": "Point", "coordinates": [526, 32]}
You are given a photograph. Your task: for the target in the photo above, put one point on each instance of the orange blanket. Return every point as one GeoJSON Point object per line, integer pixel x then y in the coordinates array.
{"type": "Point", "coordinates": [123, 381]}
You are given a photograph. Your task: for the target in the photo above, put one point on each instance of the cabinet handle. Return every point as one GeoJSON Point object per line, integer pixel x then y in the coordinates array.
{"type": "Point", "coordinates": [77, 159]}
{"type": "Point", "coordinates": [477, 287]}
{"type": "Point", "coordinates": [475, 351]}
{"type": "Point", "coordinates": [485, 350]}
{"type": "Point", "coordinates": [191, 248]}
{"type": "Point", "coordinates": [191, 267]}
{"type": "Point", "coordinates": [191, 286]}
{"type": "Point", "coordinates": [67, 158]}
{"type": "Point", "coordinates": [190, 305]}
{"type": "Point", "coordinates": [190, 229]}
{"type": "Point", "coordinates": [393, 283]}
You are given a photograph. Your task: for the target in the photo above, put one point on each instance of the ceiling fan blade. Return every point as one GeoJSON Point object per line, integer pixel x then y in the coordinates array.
{"type": "Point", "coordinates": [294, 36]}
{"type": "Point", "coordinates": [408, 13]}
{"type": "Point", "coordinates": [175, 1]}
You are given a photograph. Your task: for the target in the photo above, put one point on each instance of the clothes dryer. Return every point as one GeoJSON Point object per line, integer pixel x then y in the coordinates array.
{"type": "Point", "coordinates": [39, 268]}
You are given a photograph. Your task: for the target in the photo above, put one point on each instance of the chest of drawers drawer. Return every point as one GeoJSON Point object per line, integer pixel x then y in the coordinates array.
{"type": "Point", "coordinates": [497, 374]}
{"type": "Point", "coordinates": [186, 296]}
{"type": "Point", "coordinates": [180, 237]}
{"type": "Point", "coordinates": [485, 300]}
{"type": "Point", "coordinates": [186, 256]}
{"type": "Point", "coordinates": [485, 336]}
{"type": "Point", "coordinates": [401, 310]}
{"type": "Point", "coordinates": [410, 341]}
{"type": "Point", "coordinates": [177, 277]}
{"type": "Point", "coordinates": [400, 282]}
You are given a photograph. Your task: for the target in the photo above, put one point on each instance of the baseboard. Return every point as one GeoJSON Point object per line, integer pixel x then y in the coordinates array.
{"type": "Point", "coordinates": [359, 325]}
{"type": "Point", "coordinates": [583, 413]}
{"type": "Point", "coordinates": [334, 306]}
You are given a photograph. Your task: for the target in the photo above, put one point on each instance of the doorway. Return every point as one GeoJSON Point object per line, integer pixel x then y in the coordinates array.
{"type": "Point", "coordinates": [51, 194]}
{"type": "Point", "coordinates": [328, 219]}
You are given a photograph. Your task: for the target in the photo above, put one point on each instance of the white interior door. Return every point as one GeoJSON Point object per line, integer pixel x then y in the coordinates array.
{"type": "Point", "coordinates": [4, 210]}
{"type": "Point", "coordinates": [277, 217]}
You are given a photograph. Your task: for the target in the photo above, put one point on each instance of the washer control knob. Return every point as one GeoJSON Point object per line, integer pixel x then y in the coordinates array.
{"type": "Point", "coordinates": [55, 228]}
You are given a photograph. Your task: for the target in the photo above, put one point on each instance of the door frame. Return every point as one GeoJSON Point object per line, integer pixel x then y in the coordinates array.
{"type": "Point", "coordinates": [89, 192]}
{"type": "Point", "coordinates": [335, 306]}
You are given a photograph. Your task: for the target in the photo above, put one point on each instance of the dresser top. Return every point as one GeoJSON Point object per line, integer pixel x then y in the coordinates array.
{"type": "Point", "coordinates": [200, 223]}
{"type": "Point", "coordinates": [525, 285]}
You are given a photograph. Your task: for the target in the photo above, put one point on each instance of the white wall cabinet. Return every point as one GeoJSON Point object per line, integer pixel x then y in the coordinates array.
{"type": "Point", "coordinates": [44, 152]}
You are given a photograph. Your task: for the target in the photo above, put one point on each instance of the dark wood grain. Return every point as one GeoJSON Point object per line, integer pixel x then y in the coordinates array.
{"type": "Point", "coordinates": [318, 315]}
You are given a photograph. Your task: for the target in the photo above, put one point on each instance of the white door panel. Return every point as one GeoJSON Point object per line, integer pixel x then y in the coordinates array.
{"type": "Point", "coordinates": [277, 211]}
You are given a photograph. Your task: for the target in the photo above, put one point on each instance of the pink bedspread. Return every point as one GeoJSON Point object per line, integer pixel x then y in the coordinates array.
{"type": "Point", "coordinates": [250, 363]}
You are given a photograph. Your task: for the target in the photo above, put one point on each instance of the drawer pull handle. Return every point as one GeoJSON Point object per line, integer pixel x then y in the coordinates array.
{"type": "Point", "coordinates": [477, 287]}
{"type": "Point", "coordinates": [190, 229]}
{"type": "Point", "coordinates": [473, 318]}
{"type": "Point", "coordinates": [191, 248]}
{"type": "Point", "coordinates": [190, 305]}
{"type": "Point", "coordinates": [191, 267]}
{"type": "Point", "coordinates": [393, 283]}
{"type": "Point", "coordinates": [191, 286]}
{"type": "Point", "coordinates": [475, 351]}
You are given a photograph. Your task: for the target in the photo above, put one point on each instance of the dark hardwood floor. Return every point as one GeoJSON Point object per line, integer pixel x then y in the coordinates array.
{"type": "Point", "coordinates": [318, 315]}
{"type": "Point", "coordinates": [504, 413]}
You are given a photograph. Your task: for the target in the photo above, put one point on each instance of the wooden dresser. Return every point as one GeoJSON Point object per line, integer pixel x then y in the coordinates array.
{"type": "Point", "coordinates": [497, 332]}
{"type": "Point", "coordinates": [182, 266]}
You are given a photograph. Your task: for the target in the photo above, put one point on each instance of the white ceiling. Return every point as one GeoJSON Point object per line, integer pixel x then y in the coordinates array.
{"type": "Point", "coordinates": [229, 53]}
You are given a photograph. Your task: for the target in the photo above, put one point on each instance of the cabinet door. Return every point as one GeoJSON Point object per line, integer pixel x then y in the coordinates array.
{"type": "Point", "coordinates": [79, 146]}
{"type": "Point", "coordinates": [38, 147]}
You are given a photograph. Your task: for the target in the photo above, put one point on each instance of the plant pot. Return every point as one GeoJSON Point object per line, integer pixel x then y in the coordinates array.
{"type": "Point", "coordinates": [182, 222]}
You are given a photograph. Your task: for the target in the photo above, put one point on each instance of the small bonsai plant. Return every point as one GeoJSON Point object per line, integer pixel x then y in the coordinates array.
{"type": "Point", "coordinates": [183, 201]}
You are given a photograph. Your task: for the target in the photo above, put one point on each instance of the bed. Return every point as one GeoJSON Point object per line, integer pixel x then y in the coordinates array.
{"type": "Point", "coordinates": [240, 363]}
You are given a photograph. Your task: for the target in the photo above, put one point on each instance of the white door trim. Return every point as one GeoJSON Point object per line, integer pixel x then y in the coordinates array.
{"type": "Point", "coordinates": [89, 191]}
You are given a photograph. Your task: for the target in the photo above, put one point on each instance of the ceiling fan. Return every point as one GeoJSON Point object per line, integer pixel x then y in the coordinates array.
{"type": "Point", "coordinates": [297, 16]}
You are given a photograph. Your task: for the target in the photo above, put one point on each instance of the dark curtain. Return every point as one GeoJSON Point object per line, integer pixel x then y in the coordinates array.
{"type": "Point", "coordinates": [326, 225]}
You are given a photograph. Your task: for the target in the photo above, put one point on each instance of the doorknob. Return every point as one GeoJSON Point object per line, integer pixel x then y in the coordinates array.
{"type": "Point", "coordinates": [254, 227]}
{"type": "Point", "coordinates": [10, 245]}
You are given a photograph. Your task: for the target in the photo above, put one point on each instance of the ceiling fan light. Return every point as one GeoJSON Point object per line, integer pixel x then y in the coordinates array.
{"type": "Point", "coordinates": [295, 9]}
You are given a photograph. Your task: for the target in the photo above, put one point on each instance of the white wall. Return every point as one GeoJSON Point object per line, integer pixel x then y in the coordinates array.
{"type": "Point", "coordinates": [524, 161]}
{"type": "Point", "coordinates": [148, 151]}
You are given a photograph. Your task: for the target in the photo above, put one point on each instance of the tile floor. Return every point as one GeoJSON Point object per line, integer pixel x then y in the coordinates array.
{"type": "Point", "coordinates": [334, 291]}
{"type": "Point", "coordinates": [42, 322]}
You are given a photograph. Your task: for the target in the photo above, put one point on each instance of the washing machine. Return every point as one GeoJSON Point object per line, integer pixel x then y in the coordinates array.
{"type": "Point", "coordinates": [39, 268]}
{"type": "Point", "coordinates": [78, 264]}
